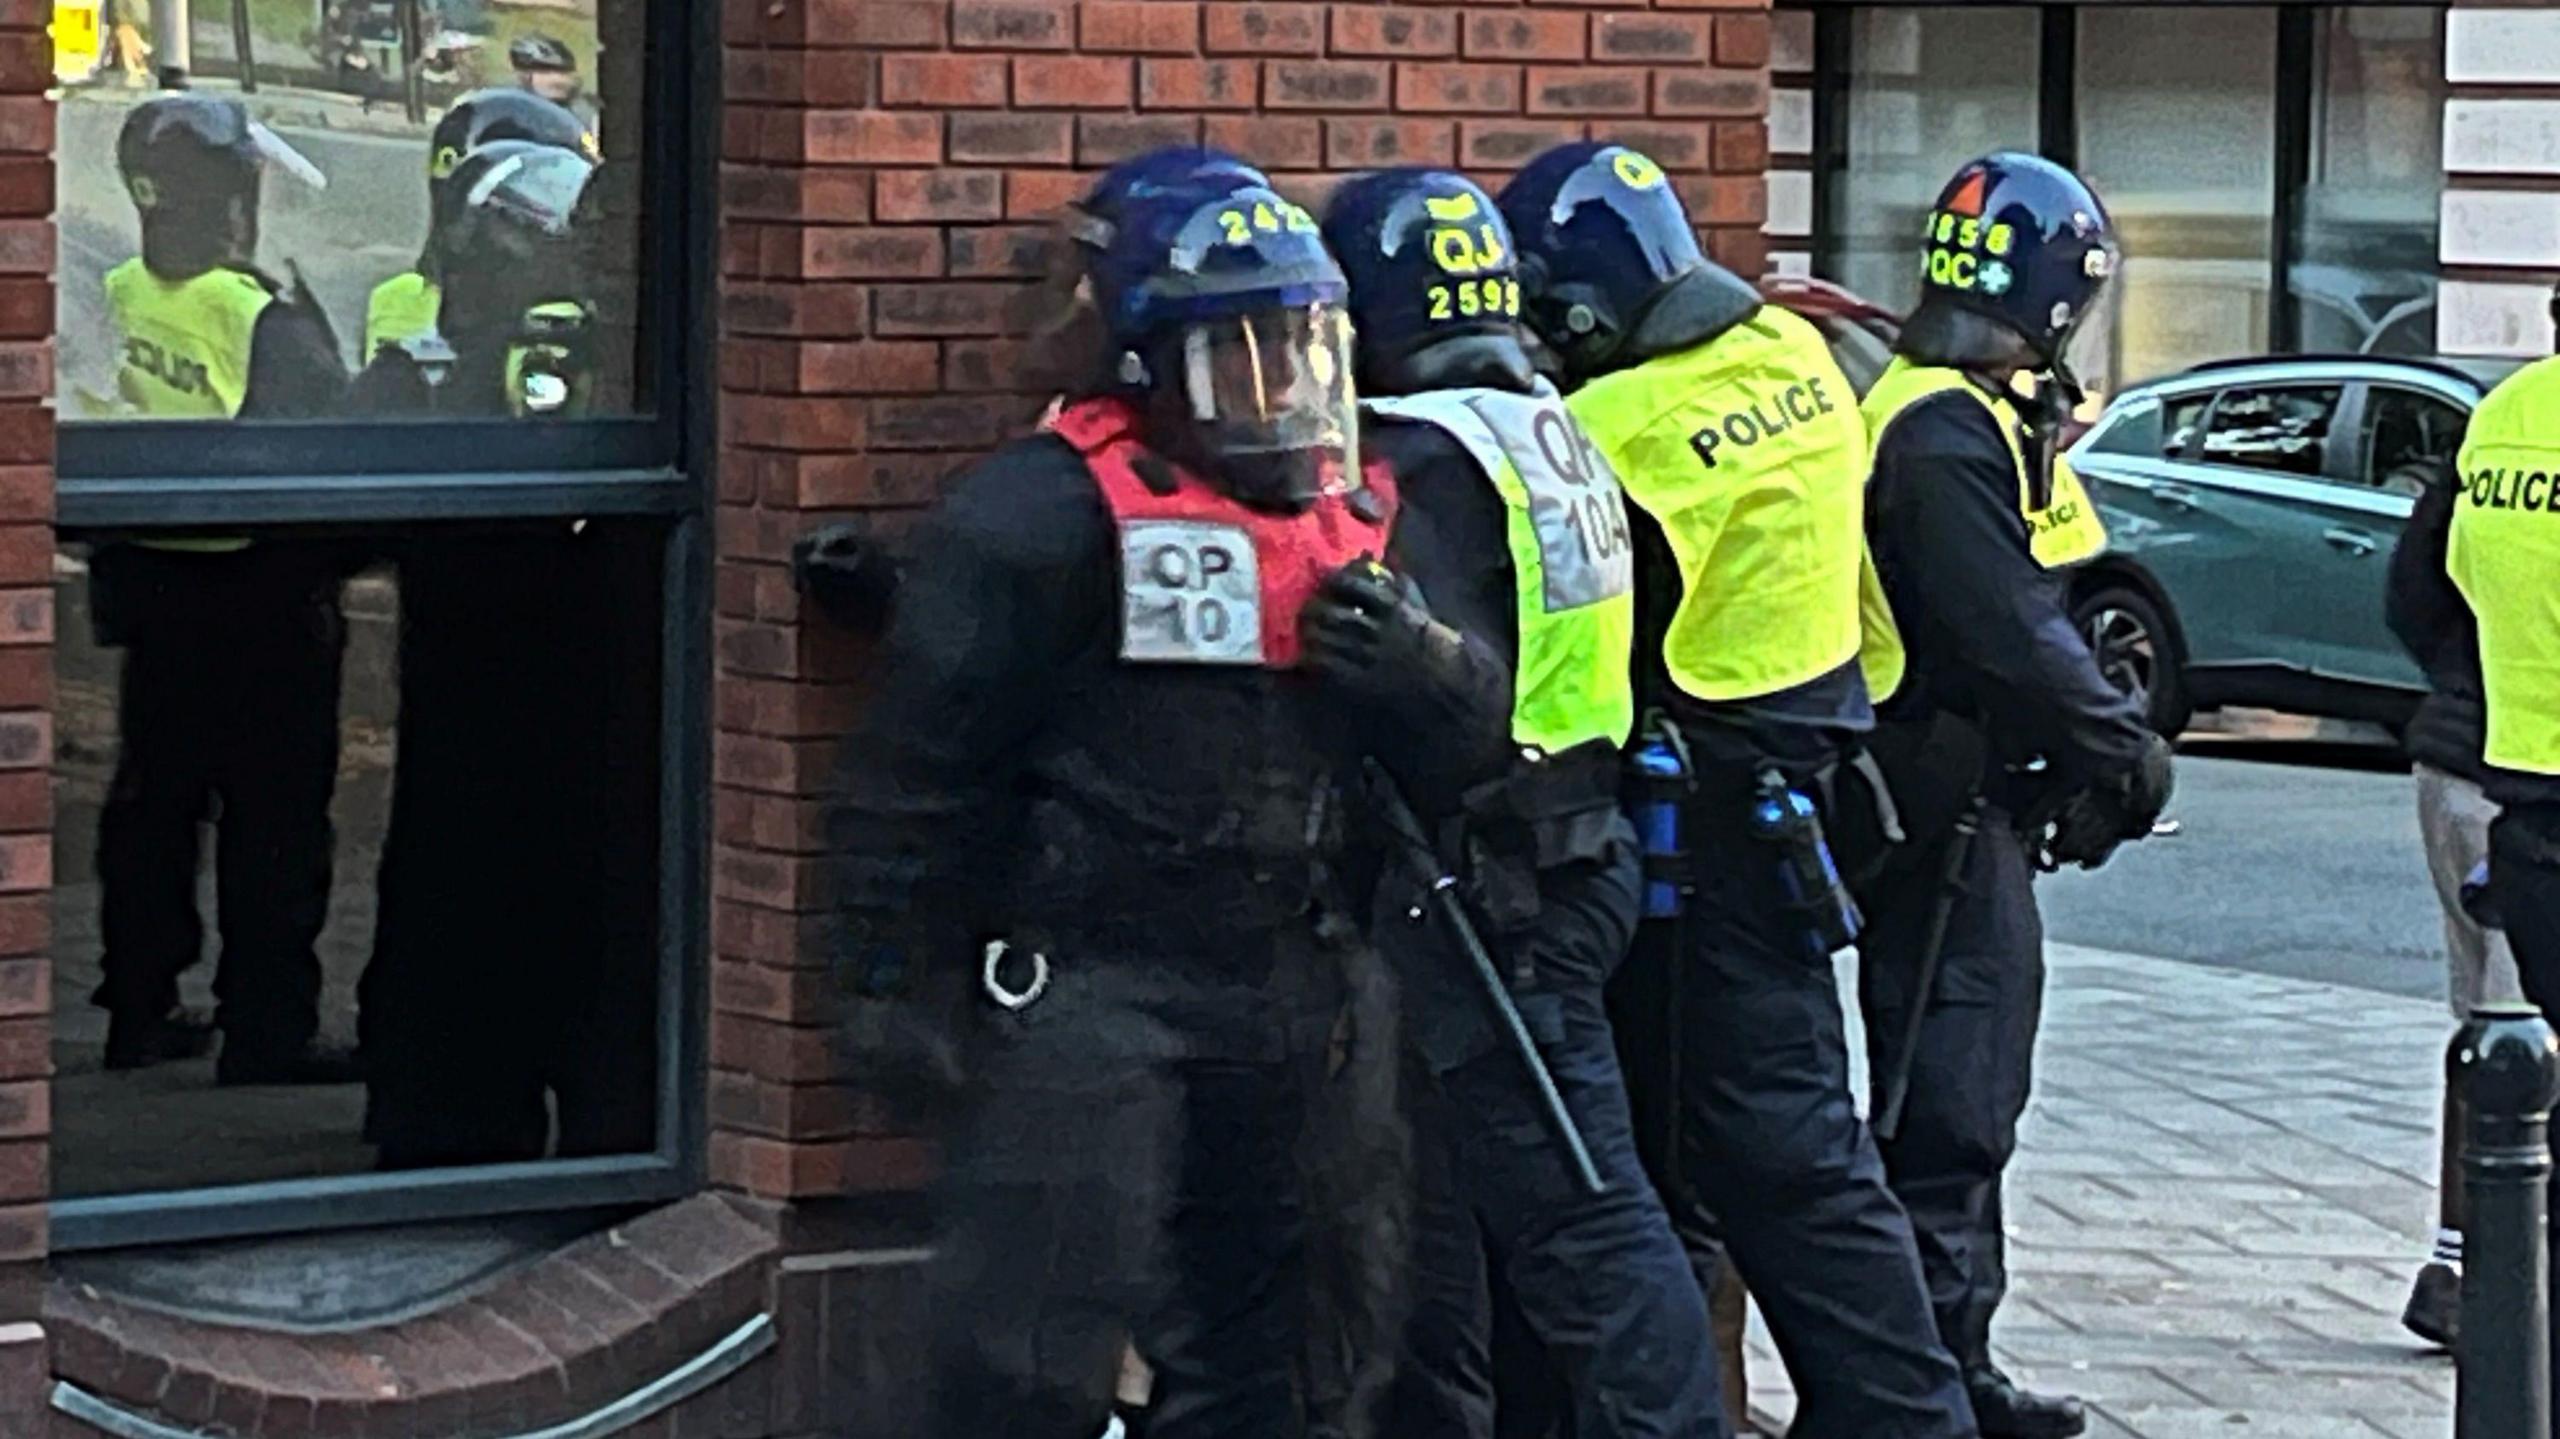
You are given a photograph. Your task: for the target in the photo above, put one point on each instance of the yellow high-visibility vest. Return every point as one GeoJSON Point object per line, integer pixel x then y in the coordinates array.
{"type": "Point", "coordinates": [2504, 555]}
{"type": "Point", "coordinates": [186, 342]}
{"type": "Point", "coordinates": [2066, 530]}
{"type": "Point", "coordinates": [1749, 452]}
{"type": "Point", "coordinates": [1572, 559]}
{"type": "Point", "coordinates": [403, 307]}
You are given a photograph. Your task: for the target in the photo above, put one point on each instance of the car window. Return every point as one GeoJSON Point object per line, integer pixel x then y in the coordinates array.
{"type": "Point", "coordinates": [2182, 422]}
{"type": "Point", "coordinates": [2277, 428]}
{"type": "Point", "coordinates": [2404, 431]}
{"type": "Point", "coordinates": [2132, 428]}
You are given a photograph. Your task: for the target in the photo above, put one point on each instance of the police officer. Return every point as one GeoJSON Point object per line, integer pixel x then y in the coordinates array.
{"type": "Point", "coordinates": [1739, 442]}
{"type": "Point", "coordinates": [230, 693]}
{"type": "Point", "coordinates": [404, 307]}
{"type": "Point", "coordinates": [2005, 742]}
{"type": "Point", "coordinates": [545, 68]}
{"type": "Point", "coordinates": [2504, 555]}
{"type": "Point", "coordinates": [1134, 667]}
{"type": "Point", "coordinates": [1489, 459]}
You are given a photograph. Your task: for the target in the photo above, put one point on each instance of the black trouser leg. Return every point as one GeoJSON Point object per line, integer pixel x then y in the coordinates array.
{"type": "Point", "coordinates": [1973, 1067]}
{"type": "Point", "coordinates": [2524, 870]}
{"type": "Point", "coordinates": [147, 841]}
{"type": "Point", "coordinates": [1443, 1386]}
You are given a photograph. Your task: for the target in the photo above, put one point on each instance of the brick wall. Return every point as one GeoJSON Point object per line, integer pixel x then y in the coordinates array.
{"type": "Point", "coordinates": [2500, 245]}
{"type": "Point", "coordinates": [889, 168]}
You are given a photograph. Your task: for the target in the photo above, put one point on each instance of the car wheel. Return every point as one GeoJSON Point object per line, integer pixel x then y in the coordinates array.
{"type": "Point", "coordinates": [2134, 648]}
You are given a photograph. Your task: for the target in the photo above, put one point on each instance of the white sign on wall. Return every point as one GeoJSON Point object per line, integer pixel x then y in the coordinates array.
{"type": "Point", "coordinates": [1790, 122]}
{"type": "Point", "coordinates": [1790, 203]}
{"type": "Point", "coordinates": [2502, 137]}
{"type": "Point", "coordinates": [2481, 318]}
{"type": "Point", "coordinates": [2501, 227]}
{"type": "Point", "coordinates": [2502, 47]}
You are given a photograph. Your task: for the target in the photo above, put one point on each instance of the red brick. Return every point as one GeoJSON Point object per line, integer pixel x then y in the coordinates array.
{"type": "Point", "coordinates": [1378, 144]}
{"type": "Point", "coordinates": [837, 196]}
{"type": "Point", "coordinates": [1524, 35]}
{"type": "Point", "coordinates": [909, 196]}
{"type": "Point", "coordinates": [950, 308]}
{"type": "Point", "coordinates": [1724, 199]}
{"type": "Point", "coordinates": [838, 78]}
{"type": "Point", "coordinates": [26, 125]}
{"type": "Point", "coordinates": [26, 186]}
{"type": "Point", "coordinates": [1154, 27]}
{"type": "Point", "coordinates": [1758, 5]}
{"type": "Point", "coordinates": [26, 862]}
{"type": "Point", "coordinates": [1743, 249]}
{"type": "Point", "coordinates": [868, 367]}
{"type": "Point", "coordinates": [27, 246]}
{"type": "Point", "coordinates": [1261, 30]}
{"type": "Point", "coordinates": [1741, 147]}
{"type": "Point", "coordinates": [880, 24]}
{"type": "Point", "coordinates": [22, 1168]}
{"type": "Point", "coordinates": [932, 424]}
{"type": "Point", "coordinates": [1585, 90]}
{"type": "Point", "coordinates": [26, 801]}
{"type": "Point", "coordinates": [1458, 89]}
{"type": "Point", "coordinates": [868, 137]}
{"type": "Point", "coordinates": [1744, 94]}
{"type": "Point", "coordinates": [1013, 24]}
{"type": "Point", "coordinates": [1001, 137]}
{"type": "Point", "coordinates": [1076, 82]}
{"type": "Point", "coordinates": [26, 985]}
{"type": "Point", "coordinates": [982, 252]}
{"type": "Point", "coordinates": [26, 616]}
{"type": "Point", "coordinates": [974, 366]}
{"type": "Point", "coordinates": [783, 422]}
{"type": "Point", "coordinates": [820, 310]}
{"type": "Point", "coordinates": [854, 253]}
{"type": "Point", "coordinates": [763, 77]}
{"type": "Point", "coordinates": [1110, 139]}
{"type": "Point", "coordinates": [1672, 144]}
{"type": "Point", "coordinates": [1199, 84]}
{"type": "Point", "coordinates": [26, 678]}
{"type": "Point", "coordinates": [1508, 144]}
{"type": "Point", "coordinates": [1742, 40]}
{"type": "Point", "coordinates": [1033, 194]}
{"type": "Point", "coordinates": [1401, 32]}
{"type": "Point", "coordinates": [26, 63]}
{"type": "Point", "coordinates": [1325, 84]}
{"type": "Point", "coordinates": [1650, 38]}
{"type": "Point", "coordinates": [26, 1109]}
{"type": "Point", "coordinates": [26, 736]}
{"type": "Point", "coordinates": [953, 82]}
{"type": "Point", "coordinates": [1279, 142]}
{"type": "Point", "coordinates": [23, 1232]}
{"type": "Point", "coordinates": [26, 309]}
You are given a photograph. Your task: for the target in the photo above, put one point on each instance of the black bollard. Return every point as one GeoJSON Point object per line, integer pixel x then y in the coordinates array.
{"type": "Point", "coordinates": [2509, 1072]}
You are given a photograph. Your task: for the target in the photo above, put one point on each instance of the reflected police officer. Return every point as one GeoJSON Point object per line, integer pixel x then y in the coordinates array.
{"type": "Point", "coordinates": [2005, 743]}
{"type": "Point", "coordinates": [1739, 442]}
{"type": "Point", "coordinates": [1491, 465]}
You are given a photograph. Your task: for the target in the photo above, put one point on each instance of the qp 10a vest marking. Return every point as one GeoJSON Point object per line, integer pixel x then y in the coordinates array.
{"type": "Point", "coordinates": [1800, 403]}
{"type": "Point", "coordinates": [1191, 593]}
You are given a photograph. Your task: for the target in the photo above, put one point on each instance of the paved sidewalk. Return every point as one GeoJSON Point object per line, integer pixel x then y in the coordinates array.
{"type": "Point", "coordinates": [2224, 1186]}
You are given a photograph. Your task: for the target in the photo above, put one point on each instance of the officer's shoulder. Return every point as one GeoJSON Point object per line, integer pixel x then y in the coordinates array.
{"type": "Point", "coordinates": [1031, 502]}
{"type": "Point", "coordinates": [2518, 399]}
{"type": "Point", "coordinates": [1407, 445]}
{"type": "Point", "coordinates": [1951, 424]}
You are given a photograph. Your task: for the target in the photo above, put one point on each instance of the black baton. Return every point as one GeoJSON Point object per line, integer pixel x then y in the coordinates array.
{"type": "Point", "coordinates": [1897, 1089]}
{"type": "Point", "coordinates": [1452, 909]}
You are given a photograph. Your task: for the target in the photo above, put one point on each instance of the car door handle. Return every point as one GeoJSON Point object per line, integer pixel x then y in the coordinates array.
{"type": "Point", "coordinates": [2352, 542]}
{"type": "Point", "coordinates": [2176, 497]}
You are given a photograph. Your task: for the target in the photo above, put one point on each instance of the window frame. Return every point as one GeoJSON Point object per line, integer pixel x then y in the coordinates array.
{"type": "Point", "coordinates": [2325, 470]}
{"type": "Point", "coordinates": [2364, 474]}
{"type": "Point", "coordinates": [116, 476]}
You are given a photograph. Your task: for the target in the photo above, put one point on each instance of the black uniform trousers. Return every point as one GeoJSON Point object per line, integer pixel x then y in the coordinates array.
{"type": "Point", "coordinates": [2524, 876]}
{"type": "Point", "coordinates": [1599, 1282]}
{"type": "Point", "coordinates": [1975, 1058]}
{"type": "Point", "coordinates": [1115, 1176]}
{"type": "Point", "coordinates": [228, 711]}
{"type": "Point", "coordinates": [1737, 1059]}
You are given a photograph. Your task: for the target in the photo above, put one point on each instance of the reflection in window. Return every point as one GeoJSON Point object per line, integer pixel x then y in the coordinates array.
{"type": "Point", "coordinates": [2134, 431]}
{"type": "Point", "coordinates": [2365, 281]}
{"type": "Point", "coordinates": [358, 852]}
{"type": "Point", "coordinates": [2177, 134]}
{"type": "Point", "coordinates": [2285, 430]}
{"type": "Point", "coordinates": [309, 251]}
{"type": "Point", "coordinates": [2405, 431]}
{"type": "Point", "coordinates": [1929, 88]}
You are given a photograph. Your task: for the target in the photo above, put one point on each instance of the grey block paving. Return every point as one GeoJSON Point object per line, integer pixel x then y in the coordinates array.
{"type": "Point", "coordinates": [2222, 1191]}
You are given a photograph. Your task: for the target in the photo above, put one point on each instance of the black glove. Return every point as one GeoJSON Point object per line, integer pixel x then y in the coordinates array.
{"type": "Point", "coordinates": [2094, 823]}
{"type": "Point", "coordinates": [852, 576]}
{"type": "Point", "coordinates": [1368, 630]}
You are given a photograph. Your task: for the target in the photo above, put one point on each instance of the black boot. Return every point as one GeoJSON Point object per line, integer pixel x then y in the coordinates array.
{"type": "Point", "coordinates": [311, 1063]}
{"type": "Point", "coordinates": [2005, 1411]}
{"type": "Point", "coordinates": [138, 1041]}
{"type": "Point", "coordinates": [2435, 1306]}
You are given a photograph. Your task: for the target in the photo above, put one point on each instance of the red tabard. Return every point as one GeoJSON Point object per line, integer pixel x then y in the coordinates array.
{"type": "Point", "coordinates": [1205, 579]}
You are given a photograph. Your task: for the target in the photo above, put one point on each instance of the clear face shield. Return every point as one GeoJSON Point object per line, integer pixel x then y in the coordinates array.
{"type": "Point", "coordinates": [1269, 402]}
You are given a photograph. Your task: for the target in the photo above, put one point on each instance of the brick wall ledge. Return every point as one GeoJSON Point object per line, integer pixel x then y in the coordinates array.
{"type": "Point", "coordinates": [605, 1333]}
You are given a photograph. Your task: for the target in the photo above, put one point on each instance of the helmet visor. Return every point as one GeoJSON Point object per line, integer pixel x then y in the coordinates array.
{"type": "Point", "coordinates": [277, 153]}
{"type": "Point", "coordinates": [1273, 382]}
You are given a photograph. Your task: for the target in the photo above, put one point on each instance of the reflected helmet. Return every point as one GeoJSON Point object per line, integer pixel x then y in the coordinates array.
{"type": "Point", "coordinates": [540, 52]}
{"type": "Point", "coordinates": [1228, 312]}
{"type": "Point", "coordinates": [185, 149]}
{"type": "Point", "coordinates": [495, 114]}
{"type": "Point", "coordinates": [2022, 241]}
{"type": "Point", "coordinates": [514, 240]}
{"type": "Point", "coordinates": [1601, 234]}
{"type": "Point", "coordinates": [1432, 277]}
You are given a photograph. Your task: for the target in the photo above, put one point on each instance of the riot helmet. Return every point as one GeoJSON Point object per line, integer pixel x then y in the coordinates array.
{"type": "Point", "coordinates": [1604, 243]}
{"type": "Point", "coordinates": [513, 245]}
{"type": "Point", "coordinates": [484, 117]}
{"type": "Point", "coordinates": [1435, 288]}
{"type": "Point", "coordinates": [544, 67]}
{"type": "Point", "coordinates": [2018, 241]}
{"type": "Point", "coordinates": [1227, 316]}
{"type": "Point", "coordinates": [192, 164]}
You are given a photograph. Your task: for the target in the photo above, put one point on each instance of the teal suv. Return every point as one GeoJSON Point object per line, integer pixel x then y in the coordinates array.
{"type": "Point", "coordinates": [2251, 508]}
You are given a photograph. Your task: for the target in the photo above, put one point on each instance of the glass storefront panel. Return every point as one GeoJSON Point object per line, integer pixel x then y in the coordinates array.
{"type": "Point", "coordinates": [2364, 278]}
{"type": "Point", "coordinates": [1929, 88]}
{"type": "Point", "coordinates": [2177, 122]}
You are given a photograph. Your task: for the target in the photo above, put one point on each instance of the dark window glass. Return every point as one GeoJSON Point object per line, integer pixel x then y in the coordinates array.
{"type": "Point", "coordinates": [2182, 424]}
{"type": "Point", "coordinates": [427, 209]}
{"type": "Point", "coordinates": [2285, 430]}
{"type": "Point", "coordinates": [2130, 432]}
{"type": "Point", "coordinates": [2366, 278]}
{"type": "Point", "coordinates": [395, 791]}
{"type": "Point", "coordinates": [2402, 430]}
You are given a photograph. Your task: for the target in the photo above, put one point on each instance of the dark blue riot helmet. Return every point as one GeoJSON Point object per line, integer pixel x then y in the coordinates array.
{"type": "Point", "coordinates": [1097, 215]}
{"type": "Point", "coordinates": [1228, 316]}
{"type": "Point", "coordinates": [1602, 236]}
{"type": "Point", "coordinates": [1435, 286]}
{"type": "Point", "coordinates": [2023, 242]}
